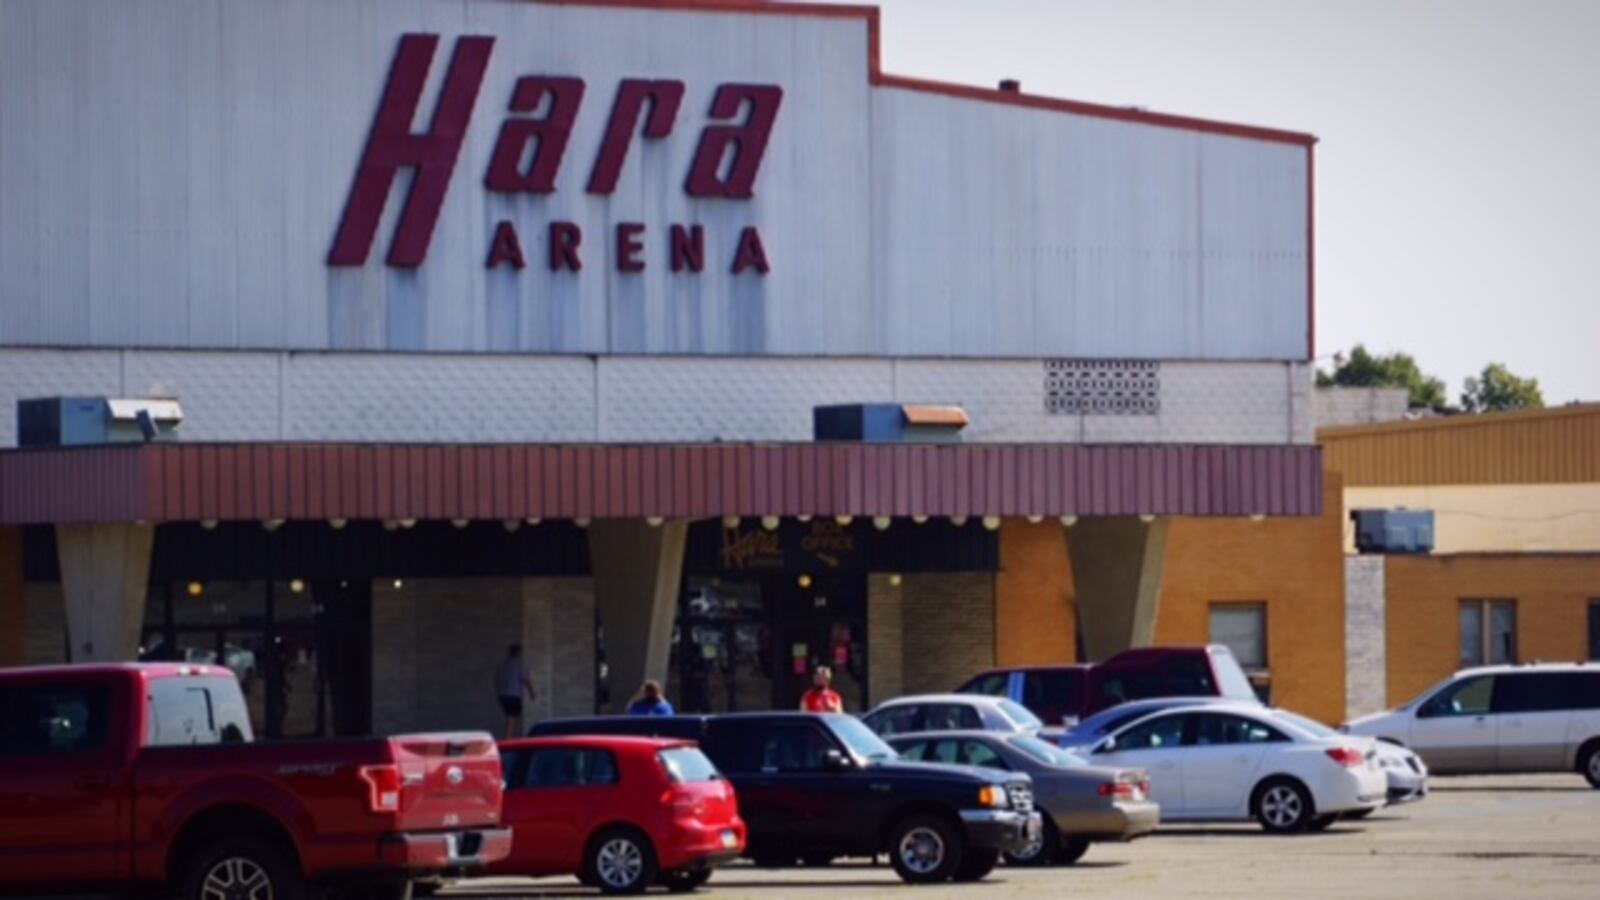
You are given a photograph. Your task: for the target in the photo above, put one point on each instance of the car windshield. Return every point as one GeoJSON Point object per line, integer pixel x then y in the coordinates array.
{"type": "Point", "coordinates": [1046, 753]}
{"type": "Point", "coordinates": [1019, 714]}
{"type": "Point", "coordinates": [1311, 726]}
{"type": "Point", "coordinates": [860, 739]}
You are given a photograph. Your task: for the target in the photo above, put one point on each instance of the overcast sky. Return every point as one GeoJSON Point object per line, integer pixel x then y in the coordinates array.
{"type": "Point", "coordinates": [1458, 173]}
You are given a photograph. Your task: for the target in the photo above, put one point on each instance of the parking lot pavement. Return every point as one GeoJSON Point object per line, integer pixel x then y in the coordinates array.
{"type": "Point", "coordinates": [1513, 837]}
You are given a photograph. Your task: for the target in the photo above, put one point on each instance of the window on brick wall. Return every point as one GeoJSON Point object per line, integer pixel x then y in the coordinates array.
{"type": "Point", "coordinates": [1488, 631]}
{"type": "Point", "coordinates": [1242, 628]}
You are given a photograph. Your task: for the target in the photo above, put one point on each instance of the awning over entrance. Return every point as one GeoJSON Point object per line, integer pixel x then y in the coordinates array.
{"type": "Point", "coordinates": [198, 482]}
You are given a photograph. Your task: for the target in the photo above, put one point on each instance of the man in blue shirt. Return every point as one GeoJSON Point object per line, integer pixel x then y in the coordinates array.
{"type": "Point", "coordinates": [649, 702]}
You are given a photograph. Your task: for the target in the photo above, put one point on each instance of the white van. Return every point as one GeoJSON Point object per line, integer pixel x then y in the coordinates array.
{"type": "Point", "coordinates": [1532, 718]}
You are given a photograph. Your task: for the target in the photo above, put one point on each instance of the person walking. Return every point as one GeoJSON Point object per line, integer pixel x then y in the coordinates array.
{"type": "Point", "coordinates": [511, 683]}
{"type": "Point", "coordinates": [649, 702]}
{"type": "Point", "coordinates": [822, 698]}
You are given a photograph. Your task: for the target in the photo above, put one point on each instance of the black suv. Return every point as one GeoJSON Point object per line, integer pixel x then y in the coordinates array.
{"type": "Point", "coordinates": [815, 787]}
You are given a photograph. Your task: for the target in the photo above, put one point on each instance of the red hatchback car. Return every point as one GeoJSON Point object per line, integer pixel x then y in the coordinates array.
{"type": "Point", "coordinates": [621, 813]}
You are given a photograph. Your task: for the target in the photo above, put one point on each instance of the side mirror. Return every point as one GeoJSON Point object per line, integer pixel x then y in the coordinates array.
{"type": "Point", "coordinates": [1110, 746]}
{"type": "Point", "coordinates": [835, 761]}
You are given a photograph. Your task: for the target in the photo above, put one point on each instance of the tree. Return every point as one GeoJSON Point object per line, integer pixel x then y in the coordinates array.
{"type": "Point", "coordinates": [1497, 388]}
{"type": "Point", "coordinates": [1363, 369]}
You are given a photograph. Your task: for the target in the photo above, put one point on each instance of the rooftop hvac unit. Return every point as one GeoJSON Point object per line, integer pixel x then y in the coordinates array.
{"type": "Point", "coordinates": [88, 421]}
{"type": "Point", "coordinates": [1393, 530]}
{"type": "Point", "coordinates": [888, 423]}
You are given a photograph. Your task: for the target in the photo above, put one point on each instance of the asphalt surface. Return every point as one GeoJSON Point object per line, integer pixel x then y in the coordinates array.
{"type": "Point", "coordinates": [1506, 837]}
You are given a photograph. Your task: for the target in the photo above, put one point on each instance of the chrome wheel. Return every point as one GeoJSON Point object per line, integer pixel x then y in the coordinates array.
{"type": "Point", "coordinates": [922, 850]}
{"type": "Point", "coordinates": [1594, 767]}
{"type": "Point", "coordinates": [620, 863]}
{"type": "Point", "coordinates": [1031, 851]}
{"type": "Point", "coordinates": [1281, 806]}
{"type": "Point", "coordinates": [236, 878]}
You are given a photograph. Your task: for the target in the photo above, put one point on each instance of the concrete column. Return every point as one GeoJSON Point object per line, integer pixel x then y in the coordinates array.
{"type": "Point", "coordinates": [13, 600]}
{"type": "Point", "coordinates": [637, 573]}
{"type": "Point", "coordinates": [105, 570]}
{"type": "Point", "coordinates": [1366, 651]}
{"type": "Point", "coordinates": [1117, 564]}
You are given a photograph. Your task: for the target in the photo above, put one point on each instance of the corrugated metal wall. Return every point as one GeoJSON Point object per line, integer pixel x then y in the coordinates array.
{"type": "Point", "coordinates": [173, 174]}
{"type": "Point", "coordinates": [1537, 446]}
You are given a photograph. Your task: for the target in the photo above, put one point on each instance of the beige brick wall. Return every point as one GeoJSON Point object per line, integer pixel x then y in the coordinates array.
{"type": "Point", "coordinates": [436, 643]}
{"type": "Point", "coordinates": [948, 629]}
{"type": "Point", "coordinates": [558, 641]}
{"type": "Point", "coordinates": [885, 647]}
{"type": "Point", "coordinates": [46, 615]}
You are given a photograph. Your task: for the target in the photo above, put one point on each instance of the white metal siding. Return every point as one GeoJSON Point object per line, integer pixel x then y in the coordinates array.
{"type": "Point", "coordinates": [172, 173]}
{"type": "Point", "coordinates": [357, 396]}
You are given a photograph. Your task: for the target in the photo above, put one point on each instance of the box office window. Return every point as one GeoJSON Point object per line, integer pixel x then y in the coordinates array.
{"type": "Point", "coordinates": [1242, 628]}
{"type": "Point", "coordinates": [1488, 632]}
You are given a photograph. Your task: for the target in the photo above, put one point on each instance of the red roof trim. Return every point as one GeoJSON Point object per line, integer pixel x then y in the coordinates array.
{"type": "Point", "coordinates": [183, 482]}
{"type": "Point", "coordinates": [877, 76]}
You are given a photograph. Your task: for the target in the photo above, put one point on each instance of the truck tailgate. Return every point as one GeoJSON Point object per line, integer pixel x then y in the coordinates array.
{"type": "Point", "coordinates": [447, 780]}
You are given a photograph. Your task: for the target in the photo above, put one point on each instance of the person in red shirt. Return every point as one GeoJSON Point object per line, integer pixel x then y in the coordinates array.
{"type": "Point", "coordinates": [822, 698]}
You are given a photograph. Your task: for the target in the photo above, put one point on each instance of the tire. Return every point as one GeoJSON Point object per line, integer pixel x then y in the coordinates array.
{"type": "Point", "coordinates": [1072, 850]}
{"type": "Point", "coordinates": [925, 849]}
{"type": "Point", "coordinates": [263, 868]}
{"type": "Point", "coordinates": [1322, 823]}
{"type": "Point", "coordinates": [1283, 806]}
{"type": "Point", "coordinates": [620, 861]}
{"type": "Point", "coordinates": [1041, 854]}
{"type": "Point", "coordinates": [1589, 763]}
{"type": "Point", "coordinates": [976, 865]}
{"type": "Point", "coordinates": [684, 881]}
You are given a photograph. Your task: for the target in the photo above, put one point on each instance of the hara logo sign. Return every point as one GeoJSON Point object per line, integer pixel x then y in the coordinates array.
{"type": "Point", "coordinates": [541, 114]}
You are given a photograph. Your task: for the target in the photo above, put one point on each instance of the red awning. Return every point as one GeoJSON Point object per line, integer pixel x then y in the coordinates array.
{"type": "Point", "coordinates": [197, 482]}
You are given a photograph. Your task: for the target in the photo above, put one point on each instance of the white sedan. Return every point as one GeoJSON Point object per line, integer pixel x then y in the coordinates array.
{"type": "Point", "coordinates": [1237, 762]}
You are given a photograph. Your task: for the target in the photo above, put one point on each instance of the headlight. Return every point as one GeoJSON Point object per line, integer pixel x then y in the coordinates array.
{"type": "Point", "coordinates": [992, 795]}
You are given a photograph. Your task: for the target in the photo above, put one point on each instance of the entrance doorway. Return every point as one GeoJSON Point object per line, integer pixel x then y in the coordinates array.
{"type": "Point", "coordinates": [301, 652]}
{"type": "Point", "coordinates": [751, 643]}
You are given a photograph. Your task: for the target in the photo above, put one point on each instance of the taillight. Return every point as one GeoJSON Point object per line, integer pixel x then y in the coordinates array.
{"type": "Point", "coordinates": [683, 803]}
{"type": "Point", "coordinates": [1349, 757]}
{"type": "Point", "coordinates": [383, 788]}
{"type": "Point", "coordinates": [1119, 789]}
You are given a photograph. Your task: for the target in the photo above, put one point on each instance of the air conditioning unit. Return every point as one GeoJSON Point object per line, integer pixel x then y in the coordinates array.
{"type": "Point", "coordinates": [1393, 530]}
{"type": "Point", "coordinates": [88, 421]}
{"type": "Point", "coordinates": [888, 423]}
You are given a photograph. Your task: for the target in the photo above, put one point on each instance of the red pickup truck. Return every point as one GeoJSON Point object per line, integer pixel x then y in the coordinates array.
{"type": "Point", "coordinates": [132, 776]}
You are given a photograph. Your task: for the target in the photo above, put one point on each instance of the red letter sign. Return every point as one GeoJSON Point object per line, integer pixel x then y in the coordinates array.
{"type": "Point", "coordinates": [688, 248]}
{"type": "Point", "coordinates": [506, 248]}
{"type": "Point", "coordinates": [552, 132]}
{"type": "Point", "coordinates": [750, 255]}
{"type": "Point", "coordinates": [391, 144]}
{"type": "Point", "coordinates": [564, 240]}
{"type": "Point", "coordinates": [664, 97]}
{"type": "Point", "coordinates": [749, 141]}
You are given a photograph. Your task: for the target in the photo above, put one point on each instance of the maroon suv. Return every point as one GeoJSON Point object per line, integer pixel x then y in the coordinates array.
{"type": "Point", "coordinates": [1063, 694]}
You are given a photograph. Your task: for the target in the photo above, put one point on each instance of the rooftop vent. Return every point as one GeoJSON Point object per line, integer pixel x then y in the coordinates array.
{"type": "Point", "coordinates": [1011, 85]}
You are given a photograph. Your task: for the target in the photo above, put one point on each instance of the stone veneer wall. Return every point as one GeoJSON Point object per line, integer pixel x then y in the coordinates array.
{"type": "Point", "coordinates": [435, 644]}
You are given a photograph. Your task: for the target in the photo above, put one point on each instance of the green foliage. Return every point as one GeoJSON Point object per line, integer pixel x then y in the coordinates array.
{"type": "Point", "coordinates": [1363, 369]}
{"type": "Point", "coordinates": [1497, 388]}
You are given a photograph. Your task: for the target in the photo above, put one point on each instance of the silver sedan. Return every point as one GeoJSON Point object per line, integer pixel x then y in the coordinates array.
{"type": "Point", "coordinates": [1082, 803]}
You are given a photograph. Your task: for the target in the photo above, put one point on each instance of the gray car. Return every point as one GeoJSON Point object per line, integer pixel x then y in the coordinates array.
{"type": "Point", "coordinates": [1082, 803]}
{"type": "Point", "coordinates": [950, 712]}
